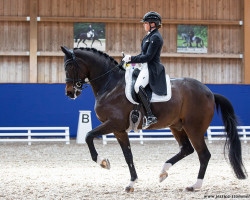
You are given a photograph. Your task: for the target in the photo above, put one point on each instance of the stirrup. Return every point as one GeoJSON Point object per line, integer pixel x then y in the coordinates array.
{"type": "Point", "coordinates": [148, 121]}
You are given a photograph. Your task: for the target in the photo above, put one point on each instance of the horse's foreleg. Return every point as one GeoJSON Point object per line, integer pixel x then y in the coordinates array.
{"type": "Point", "coordinates": [122, 138]}
{"type": "Point", "coordinates": [185, 149]}
{"type": "Point", "coordinates": [78, 43]}
{"type": "Point", "coordinates": [103, 129]}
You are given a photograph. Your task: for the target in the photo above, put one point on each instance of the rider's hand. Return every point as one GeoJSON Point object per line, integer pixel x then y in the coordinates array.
{"type": "Point", "coordinates": [127, 58]}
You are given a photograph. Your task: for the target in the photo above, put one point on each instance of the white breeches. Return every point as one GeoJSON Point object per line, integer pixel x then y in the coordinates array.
{"type": "Point", "coordinates": [143, 78]}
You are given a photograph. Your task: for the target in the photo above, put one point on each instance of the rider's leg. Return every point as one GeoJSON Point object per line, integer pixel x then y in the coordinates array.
{"type": "Point", "coordinates": [141, 82]}
{"type": "Point", "coordinates": [151, 119]}
{"type": "Point", "coordinates": [143, 78]}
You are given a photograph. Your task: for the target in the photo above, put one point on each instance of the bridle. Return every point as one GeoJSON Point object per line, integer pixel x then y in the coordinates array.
{"type": "Point", "coordinates": [79, 83]}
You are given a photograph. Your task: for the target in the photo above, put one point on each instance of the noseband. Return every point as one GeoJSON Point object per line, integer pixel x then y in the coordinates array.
{"type": "Point", "coordinates": [78, 83]}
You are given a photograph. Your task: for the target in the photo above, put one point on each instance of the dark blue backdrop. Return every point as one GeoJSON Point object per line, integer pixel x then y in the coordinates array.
{"type": "Point", "coordinates": [31, 105]}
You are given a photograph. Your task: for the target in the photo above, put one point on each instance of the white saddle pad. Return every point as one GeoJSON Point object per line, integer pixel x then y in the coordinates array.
{"type": "Point", "coordinates": [155, 97]}
{"type": "Point", "coordinates": [90, 34]}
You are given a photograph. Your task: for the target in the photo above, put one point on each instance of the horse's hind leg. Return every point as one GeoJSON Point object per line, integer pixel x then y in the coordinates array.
{"type": "Point", "coordinates": [122, 138]}
{"type": "Point", "coordinates": [185, 150]}
{"type": "Point", "coordinates": [84, 42]}
{"type": "Point", "coordinates": [197, 139]}
{"type": "Point", "coordinates": [100, 42]}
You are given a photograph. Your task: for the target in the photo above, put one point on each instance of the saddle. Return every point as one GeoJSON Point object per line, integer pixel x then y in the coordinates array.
{"type": "Point", "coordinates": [90, 34]}
{"type": "Point", "coordinates": [132, 72]}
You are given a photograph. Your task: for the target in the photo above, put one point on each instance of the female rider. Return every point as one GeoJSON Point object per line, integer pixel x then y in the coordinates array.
{"type": "Point", "coordinates": [152, 72]}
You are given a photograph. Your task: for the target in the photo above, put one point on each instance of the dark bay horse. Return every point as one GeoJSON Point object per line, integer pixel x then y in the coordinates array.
{"type": "Point", "coordinates": [195, 39]}
{"type": "Point", "coordinates": [83, 37]}
{"type": "Point", "coordinates": [188, 113]}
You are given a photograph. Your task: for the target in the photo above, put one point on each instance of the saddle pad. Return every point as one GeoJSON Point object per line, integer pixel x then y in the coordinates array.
{"type": "Point", "coordinates": [155, 97]}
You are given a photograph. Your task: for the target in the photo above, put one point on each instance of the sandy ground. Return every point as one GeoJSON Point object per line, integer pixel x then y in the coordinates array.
{"type": "Point", "coordinates": [60, 171]}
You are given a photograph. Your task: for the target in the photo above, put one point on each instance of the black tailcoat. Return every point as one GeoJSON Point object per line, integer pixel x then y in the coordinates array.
{"type": "Point", "coordinates": [150, 52]}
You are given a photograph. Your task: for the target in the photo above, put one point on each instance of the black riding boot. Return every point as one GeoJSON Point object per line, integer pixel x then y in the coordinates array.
{"type": "Point", "coordinates": [150, 119]}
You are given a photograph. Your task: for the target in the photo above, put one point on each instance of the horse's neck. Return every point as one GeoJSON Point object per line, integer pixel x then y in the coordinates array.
{"type": "Point", "coordinates": [107, 82]}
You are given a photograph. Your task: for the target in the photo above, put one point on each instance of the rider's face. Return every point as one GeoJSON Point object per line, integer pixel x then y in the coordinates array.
{"type": "Point", "coordinates": [146, 26]}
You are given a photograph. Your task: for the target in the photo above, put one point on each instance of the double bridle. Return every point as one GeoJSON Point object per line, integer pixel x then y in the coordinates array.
{"type": "Point", "coordinates": [78, 83]}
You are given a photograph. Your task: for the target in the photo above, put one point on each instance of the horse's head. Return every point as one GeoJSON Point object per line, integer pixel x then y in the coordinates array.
{"type": "Point", "coordinates": [75, 75]}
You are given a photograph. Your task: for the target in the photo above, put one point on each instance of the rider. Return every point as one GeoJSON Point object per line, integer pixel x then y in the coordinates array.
{"type": "Point", "coordinates": [90, 31]}
{"type": "Point", "coordinates": [152, 72]}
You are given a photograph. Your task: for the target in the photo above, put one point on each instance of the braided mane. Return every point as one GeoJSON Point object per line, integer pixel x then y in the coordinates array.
{"type": "Point", "coordinates": [99, 52]}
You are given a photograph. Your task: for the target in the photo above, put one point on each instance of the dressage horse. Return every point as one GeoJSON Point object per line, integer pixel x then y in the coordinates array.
{"type": "Point", "coordinates": [83, 37]}
{"type": "Point", "coordinates": [188, 113]}
{"type": "Point", "coordinates": [195, 39]}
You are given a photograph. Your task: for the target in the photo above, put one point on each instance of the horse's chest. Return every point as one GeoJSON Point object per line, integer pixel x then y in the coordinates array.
{"type": "Point", "coordinates": [109, 105]}
{"type": "Point", "coordinates": [102, 110]}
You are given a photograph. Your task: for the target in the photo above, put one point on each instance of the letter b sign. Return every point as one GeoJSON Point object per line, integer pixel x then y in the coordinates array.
{"type": "Point", "coordinates": [84, 125]}
{"type": "Point", "coordinates": [85, 118]}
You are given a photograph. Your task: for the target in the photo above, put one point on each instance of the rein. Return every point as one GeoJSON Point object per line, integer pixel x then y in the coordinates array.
{"type": "Point", "coordinates": [79, 82]}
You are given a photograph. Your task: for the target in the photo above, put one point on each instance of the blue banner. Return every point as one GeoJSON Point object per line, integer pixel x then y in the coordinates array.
{"type": "Point", "coordinates": [35, 105]}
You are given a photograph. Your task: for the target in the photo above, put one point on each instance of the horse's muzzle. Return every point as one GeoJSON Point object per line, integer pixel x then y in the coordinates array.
{"type": "Point", "coordinates": [71, 92]}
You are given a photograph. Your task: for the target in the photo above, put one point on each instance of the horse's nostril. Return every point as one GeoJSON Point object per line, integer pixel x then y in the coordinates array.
{"type": "Point", "coordinates": [69, 93]}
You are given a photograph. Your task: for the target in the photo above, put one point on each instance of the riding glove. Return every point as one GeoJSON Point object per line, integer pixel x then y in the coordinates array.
{"type": "Point", "coordinates": [127, 58]}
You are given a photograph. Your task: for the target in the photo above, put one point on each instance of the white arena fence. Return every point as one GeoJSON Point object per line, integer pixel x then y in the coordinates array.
{"type": "Point", "coordinates": [144, 135]}
{"type": "Point", "coordinates": [34, 134]}
{"type": "Point", "coordinates": [217, 133]}
{"type": "Point", "coordinates": [214, 133]}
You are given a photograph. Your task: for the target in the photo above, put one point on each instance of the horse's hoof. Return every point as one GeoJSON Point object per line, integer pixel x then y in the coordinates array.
{"type": "Point", "coordinates": [105, 164]}
{"type": "Point", "coordinates": [129, 189]}
{"type": "Point", "coordinates": [189, 189]}
{"type": "Point", "coordinates": [163, 176]}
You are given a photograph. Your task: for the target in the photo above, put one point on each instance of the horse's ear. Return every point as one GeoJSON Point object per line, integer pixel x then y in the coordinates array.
{"type": "Point", "coordinates": [66, 51]}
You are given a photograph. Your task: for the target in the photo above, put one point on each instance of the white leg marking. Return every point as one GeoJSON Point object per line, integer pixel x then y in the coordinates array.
{"type": "Point", "coordinates": [130, 187]}
{"type": "Point", "coordinates": [132, 183]}
{"type": "Point", "coordinates": [164, 174]}
{"type": "Point", "coordinates": [166, 167]}
{"type": "Point", "coordinates": [196, 186]}
{"type": "Point", "coordinates": [99, 160]}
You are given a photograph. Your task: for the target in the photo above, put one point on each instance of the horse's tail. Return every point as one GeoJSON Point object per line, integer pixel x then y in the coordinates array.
{"type": "Point", "coordinates": [202, 42]}
{"type": "Point", "coordinates": [233, 143]}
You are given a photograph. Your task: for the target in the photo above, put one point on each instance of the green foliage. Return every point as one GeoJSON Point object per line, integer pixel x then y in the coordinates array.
{"type": "Point", "coordinates": [83, 28]}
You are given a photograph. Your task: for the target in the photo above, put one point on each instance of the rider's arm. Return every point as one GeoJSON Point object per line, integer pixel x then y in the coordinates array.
{"type": "Point", "coordinates": [155, 43]}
